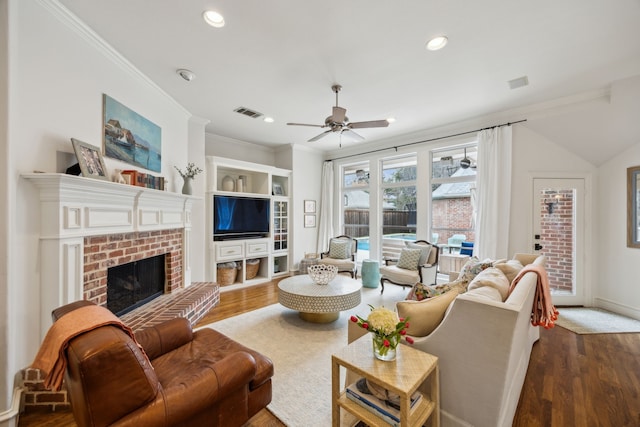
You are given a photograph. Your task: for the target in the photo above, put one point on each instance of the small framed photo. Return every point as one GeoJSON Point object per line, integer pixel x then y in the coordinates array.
{"type": "Point", "coordinates": [309, 206]}
{"type": "Point", "coordinates": [277, 189]}
{"type": "Point", "coordinates": [309, 221]}
{"type": "Point", "coordinates": [90, 160]}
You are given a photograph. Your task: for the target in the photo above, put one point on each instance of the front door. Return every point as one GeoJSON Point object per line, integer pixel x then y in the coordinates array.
{"type": "Point", "coordinates": [558, 227]}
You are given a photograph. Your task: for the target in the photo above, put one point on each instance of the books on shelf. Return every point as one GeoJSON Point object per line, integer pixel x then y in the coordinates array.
{"type": "Point", "coordinates": [384, 409]}
{"type": "Point", "coordinates": [141, 179]}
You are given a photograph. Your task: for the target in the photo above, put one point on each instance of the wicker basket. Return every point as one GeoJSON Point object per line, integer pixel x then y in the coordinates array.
{"type": "Point", "coordinates": [252, 268]}
{"type": "Point", "coordinates": [226, 275]}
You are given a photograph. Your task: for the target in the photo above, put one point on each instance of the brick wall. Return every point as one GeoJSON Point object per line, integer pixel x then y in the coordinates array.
{"type": "Point", "coordinates": [102, 252]}
{"type": "Point", "coordinates": [452, 216]}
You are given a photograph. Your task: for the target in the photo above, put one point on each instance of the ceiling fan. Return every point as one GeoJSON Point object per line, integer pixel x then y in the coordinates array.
{"type": "Point", "coordinates": [339, 122]}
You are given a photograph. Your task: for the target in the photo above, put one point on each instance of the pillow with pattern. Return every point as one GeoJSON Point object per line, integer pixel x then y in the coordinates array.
{"type": "Point", "coordinates": [424, 255]}
{"type": "Point", "coordinates": [472, 267]}
{"type": "Point", "coordinates": [409, 259]}
{"type": "Point", "coordinates": [339, 248]}
{"type": "Point", "coordinates": [420, 291]}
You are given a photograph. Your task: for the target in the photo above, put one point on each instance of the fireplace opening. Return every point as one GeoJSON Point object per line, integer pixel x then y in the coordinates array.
{"type": "Point", "coordinates": [134, 284]}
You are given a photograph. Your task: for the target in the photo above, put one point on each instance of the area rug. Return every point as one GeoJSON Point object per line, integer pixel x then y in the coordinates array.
{"type": "Point", "coordinates": [301, 353]}
{"type": "Point", "coordinates": [589, 320]}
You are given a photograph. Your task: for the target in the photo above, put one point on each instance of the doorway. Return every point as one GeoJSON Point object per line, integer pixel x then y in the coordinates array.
{"type": "Point", "coordinates": [558, 228]}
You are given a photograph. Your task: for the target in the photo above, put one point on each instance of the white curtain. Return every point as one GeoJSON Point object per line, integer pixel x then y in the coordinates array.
{"type": "Point", "coordinates": [493, 193]}
{"type": "Point", "coordinates": [325, 221]}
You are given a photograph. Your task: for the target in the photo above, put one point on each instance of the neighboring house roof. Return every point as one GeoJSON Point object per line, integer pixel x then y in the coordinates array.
{"type": "Point", "coordinates": [455, 189]}
{"type": "Point", "coordinates": [359, 199]}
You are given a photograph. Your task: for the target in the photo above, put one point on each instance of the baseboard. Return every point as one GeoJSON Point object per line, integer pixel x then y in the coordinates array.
{"type": "Point", "coordinates": [9, 418]}
{"type": "Point", "coordinates": [616, 307]}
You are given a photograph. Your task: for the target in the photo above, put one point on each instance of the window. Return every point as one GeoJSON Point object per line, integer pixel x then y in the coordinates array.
{"type": "Point", "coordinates": [399, 195]}
{"type": "Point", "coordinates": [355, 204]}
{"type": "Point", "coordinates": [453, 181]}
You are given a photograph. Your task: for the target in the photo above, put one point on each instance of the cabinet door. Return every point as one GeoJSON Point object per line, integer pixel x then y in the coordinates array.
{"type": "Point", "coordinates": [280, 225]}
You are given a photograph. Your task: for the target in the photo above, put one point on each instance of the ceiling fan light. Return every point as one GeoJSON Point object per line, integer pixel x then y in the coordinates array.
{"type": "Point", "coordinates": [391, 119]}
{"type": "Point", "coordinates": [437, 43]}
{"type": "Point", "coordinates": [213, 18]}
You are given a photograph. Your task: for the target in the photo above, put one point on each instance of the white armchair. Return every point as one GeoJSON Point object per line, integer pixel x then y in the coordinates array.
{"type": "Point", "coordinates": [342, 253]}
{"type": "Point", "coordinates": [408, 269]}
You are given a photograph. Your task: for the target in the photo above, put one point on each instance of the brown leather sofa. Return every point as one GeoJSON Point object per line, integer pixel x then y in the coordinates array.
{"type": "Point", "coordinates": [186, 378]}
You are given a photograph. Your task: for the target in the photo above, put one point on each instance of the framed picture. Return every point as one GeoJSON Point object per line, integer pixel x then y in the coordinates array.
{"type": "Point", "coordinates": [309, 221]}
{"type": "Point", "coordinates": [277, 189]}
{"type": "Point", "coordinates": [129, 137]}
{"type": "Point", "coordinates": [309, 206]}
{"type": "Point", "coordinates": [90, 160]}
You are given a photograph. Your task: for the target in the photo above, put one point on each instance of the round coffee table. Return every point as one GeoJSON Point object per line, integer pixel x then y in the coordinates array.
{"type": "Point", "coordinates": [319, 303]}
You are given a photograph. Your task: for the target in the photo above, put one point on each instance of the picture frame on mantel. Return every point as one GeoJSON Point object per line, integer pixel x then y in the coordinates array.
{"type": "Point", "coordinates": [90, 160]}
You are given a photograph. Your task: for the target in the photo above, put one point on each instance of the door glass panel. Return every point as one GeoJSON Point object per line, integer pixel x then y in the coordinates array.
{"type": "Point", "coordinates": [557, 237]}
{"type": "Point", "coordinates": [398, 204]}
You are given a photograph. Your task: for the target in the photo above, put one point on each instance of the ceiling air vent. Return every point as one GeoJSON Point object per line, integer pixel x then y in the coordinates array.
{"type": "Point", "coordinates": [248, 112]}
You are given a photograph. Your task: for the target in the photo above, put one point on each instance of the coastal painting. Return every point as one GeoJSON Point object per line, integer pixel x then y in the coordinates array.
{"type": "Point", "coordinates": [129, 137]}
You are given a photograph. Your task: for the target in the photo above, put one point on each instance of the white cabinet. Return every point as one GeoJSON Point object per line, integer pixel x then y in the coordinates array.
{"type": "Point", "coordinates": [236, 178]}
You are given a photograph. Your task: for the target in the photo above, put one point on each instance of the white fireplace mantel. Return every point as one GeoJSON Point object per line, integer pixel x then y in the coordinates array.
{"type": "Point", "coordinates": [74, 207]}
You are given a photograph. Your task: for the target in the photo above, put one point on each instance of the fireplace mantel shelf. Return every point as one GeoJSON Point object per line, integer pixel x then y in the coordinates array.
{"type": "Point", "coordinates": [77, 206]}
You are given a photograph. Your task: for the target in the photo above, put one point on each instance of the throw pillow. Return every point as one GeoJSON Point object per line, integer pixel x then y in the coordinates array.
{"type": "Point", "coordinates": [510, 268]}
{"type": "Point", "coordinates": [472, 267]}
{"type": "Point", "coordinates": [409, 259]}
{"type": "Point", "coordinates": [424, 255]}
{"type": "Point", "coordinates": [421, 291]}
{"type": "Point", "coordinates": [339, 248]}
{"type": "Point", "coordinates": [491, 277]}
{"type": "Point", "coordinates": [424, 316]}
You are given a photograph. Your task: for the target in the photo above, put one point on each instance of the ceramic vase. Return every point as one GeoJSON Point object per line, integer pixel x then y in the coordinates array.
{"type": "Point", "coordinates": [186, 187]}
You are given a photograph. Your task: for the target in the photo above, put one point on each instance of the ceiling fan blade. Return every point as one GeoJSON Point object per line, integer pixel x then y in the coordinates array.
{"type": "Point", "coordinates": [315, 138]}
{"type": "Point", "coordinates": [339, 114]}
{"type": "Point", "coordinates": [352, 135]}
{"type": "Point", "coordinates": [306, 124]}
{"type": "Point", "coordinates": [369, 124]}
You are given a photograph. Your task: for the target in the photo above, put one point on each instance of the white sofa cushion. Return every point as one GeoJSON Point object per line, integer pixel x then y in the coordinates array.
{"type": "Point", "coordinates": [510, 268]}
{"type": "Point", "coordinates": [491, 277]}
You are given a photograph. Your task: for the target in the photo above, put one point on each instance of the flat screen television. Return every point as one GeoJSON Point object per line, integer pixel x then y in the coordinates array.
{"type": "Point", "coordinates": [237, 217]}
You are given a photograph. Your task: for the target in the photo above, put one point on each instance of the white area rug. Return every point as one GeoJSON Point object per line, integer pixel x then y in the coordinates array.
{"type": "Point", "coordinates": [588, 320]}
{"type": "Point", "coordinates": [301, 353]}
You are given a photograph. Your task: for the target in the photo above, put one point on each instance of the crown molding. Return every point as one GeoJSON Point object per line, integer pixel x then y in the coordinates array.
{"type": "Point", "coordinates": [71, 21]}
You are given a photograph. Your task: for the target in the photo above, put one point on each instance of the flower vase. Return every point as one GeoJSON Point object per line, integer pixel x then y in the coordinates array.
{"type": "Point", "coordinates": [384, 352]}
{"type": "Point", "coordinates": [186, 187]}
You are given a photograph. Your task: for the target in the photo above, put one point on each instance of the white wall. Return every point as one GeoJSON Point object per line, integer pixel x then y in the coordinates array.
{"type": "Point", "coordinates": [199, 239]}
{"type": "Point", "coordinates": [617, 285]}
{"type": "Point", "coordinates": [221, 146]}
{"type": "Point", "coordinates": [57, 76]}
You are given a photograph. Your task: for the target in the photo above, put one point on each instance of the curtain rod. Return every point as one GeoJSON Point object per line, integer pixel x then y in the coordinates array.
{"type": "Point", "coordinates": [426, 140]}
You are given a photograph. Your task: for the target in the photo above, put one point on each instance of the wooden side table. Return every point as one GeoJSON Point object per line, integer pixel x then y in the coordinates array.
{"type": "Point", "coordinates": [412, 370]}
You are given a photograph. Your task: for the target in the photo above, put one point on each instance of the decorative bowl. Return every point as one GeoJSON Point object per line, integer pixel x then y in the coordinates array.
{"type": "Point", "coordinates": [322, 274]}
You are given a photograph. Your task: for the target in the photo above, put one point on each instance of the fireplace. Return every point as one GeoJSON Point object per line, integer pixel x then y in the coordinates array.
{"type": "Point", "coordinates": [134, 284]}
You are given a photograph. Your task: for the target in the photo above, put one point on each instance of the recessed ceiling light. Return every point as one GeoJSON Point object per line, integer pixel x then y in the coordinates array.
{"type": "Point", "coordinates": [213, 18]}
{"type": "Point", "coordinates": [437, 43]}
{"type": "Point", "coordinates": [186, 74]}
{"type": "Point", "coordinates": [269, 119]}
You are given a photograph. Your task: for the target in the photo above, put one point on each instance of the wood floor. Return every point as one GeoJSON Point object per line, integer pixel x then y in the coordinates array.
{"type": "Point", "coordinates": [573, 380]}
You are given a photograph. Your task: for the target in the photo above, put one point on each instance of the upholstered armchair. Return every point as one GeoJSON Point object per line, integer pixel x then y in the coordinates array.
{"type": "Point", "coordinates": [408, 269]}
{"type": "Point", "coordinates": [342, 253]}
{"type": "Point", "coordinates": [182, 378]}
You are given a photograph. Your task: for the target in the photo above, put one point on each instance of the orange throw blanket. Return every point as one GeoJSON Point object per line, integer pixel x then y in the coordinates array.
{"type": "Point", "coordinates": [51, 357]}
{"type": "Point", "coordinates": [543, 312]}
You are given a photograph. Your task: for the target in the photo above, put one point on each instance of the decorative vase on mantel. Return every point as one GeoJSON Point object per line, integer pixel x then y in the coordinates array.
{"type": "Point", "coordinates": [186, 187]}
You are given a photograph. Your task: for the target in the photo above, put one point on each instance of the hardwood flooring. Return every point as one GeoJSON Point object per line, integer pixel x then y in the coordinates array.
{"type": "Point", "coordinates": [572, 380]}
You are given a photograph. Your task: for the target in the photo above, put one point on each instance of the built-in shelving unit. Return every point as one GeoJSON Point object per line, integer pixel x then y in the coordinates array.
{"type": "Point", "coordinates": [244, 179]}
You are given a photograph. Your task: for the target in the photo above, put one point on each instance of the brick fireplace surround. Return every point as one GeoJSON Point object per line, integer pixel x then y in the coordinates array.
{"type": "Point", "coordinates": [88, 226]}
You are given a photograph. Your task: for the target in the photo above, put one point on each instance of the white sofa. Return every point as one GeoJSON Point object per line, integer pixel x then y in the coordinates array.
{"type": "Point", "coordinates": [483, 347]}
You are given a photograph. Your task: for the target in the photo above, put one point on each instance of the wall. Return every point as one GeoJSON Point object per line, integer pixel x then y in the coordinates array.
{"type": "Point", "coordinates": [230, 148]}
{"type": "Point", "coordinates": [58, 71]}
{"type": "Point", "coordinates": [616, 285]}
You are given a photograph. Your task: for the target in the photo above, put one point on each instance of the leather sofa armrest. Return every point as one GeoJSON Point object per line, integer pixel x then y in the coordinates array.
{"type": "Point", "coordinates": [234, 370]}
{"type": "Point", "coordinates": [165, 337]}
